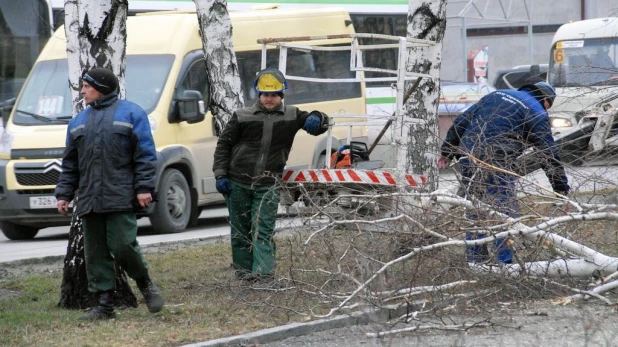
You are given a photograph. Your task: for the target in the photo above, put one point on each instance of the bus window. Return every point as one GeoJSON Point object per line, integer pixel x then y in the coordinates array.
{"type": "Point", "coordinates": [24, 29]}
{"type": "Point", "coordinates": [316, 64]}
{"type": "Point", "coordinates": [382, 58]}
{"type": "Point", "coordinates": [586, 62]}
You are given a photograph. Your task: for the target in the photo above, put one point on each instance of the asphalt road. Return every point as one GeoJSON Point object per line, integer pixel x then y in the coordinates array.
{"type": "Point", "coordinates": [54, 241]}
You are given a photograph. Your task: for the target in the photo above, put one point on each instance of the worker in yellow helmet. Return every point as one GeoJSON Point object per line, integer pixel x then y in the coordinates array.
{"type": "Point", "coordinates": [249, 159]}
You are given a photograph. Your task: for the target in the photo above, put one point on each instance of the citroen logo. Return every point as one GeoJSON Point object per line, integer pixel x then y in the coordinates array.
{"type": "Point", "coordinates": [55, 164]}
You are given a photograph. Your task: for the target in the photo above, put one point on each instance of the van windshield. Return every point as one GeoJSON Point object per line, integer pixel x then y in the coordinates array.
{"type": "Point", "coordinates": [586, 62]}
{"type": "Point", "coordinates": [46, 97]}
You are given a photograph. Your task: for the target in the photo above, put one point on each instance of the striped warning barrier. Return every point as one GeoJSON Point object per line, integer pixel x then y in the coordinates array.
{"type": "Point", "coordinates": [372, 177]}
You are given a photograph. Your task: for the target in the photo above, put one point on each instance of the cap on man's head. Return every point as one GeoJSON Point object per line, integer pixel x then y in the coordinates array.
{"type": "Point", "coordinates": [542, 91]}
{"type": "Point", "coordinates": [101, 79]}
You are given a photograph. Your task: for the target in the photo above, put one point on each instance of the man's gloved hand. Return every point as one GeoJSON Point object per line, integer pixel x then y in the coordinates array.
{"type": "Point", "coordinates": [223, 185]}
{"type": "Point", "coordinates": [313, 123]}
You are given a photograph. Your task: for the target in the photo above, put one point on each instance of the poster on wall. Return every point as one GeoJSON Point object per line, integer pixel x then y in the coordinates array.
{"type": "Point", "coordinates": [478, 64]}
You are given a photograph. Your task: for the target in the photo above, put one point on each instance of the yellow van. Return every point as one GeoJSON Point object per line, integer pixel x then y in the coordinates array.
{"type": "Point", "coordinates": [165, 75]}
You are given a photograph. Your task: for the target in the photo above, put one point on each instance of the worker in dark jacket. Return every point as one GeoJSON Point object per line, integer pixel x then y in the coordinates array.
{"type": "Point", "coordinates": [110, 164]}
{"type": "Point", "coordinates": [250, 156]}
{"type": "Point", "coordinates": [488, 137]}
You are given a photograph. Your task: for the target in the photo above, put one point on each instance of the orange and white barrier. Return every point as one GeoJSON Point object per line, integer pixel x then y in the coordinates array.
{"type": "Point", "coordinates": [370, 177]}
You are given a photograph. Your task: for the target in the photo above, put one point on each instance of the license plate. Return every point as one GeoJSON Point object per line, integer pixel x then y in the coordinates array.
{"type": "Point", "coordinates": [43, 202]}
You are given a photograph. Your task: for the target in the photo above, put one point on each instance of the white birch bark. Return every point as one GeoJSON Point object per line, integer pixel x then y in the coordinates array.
{"type": "Point", "coordinates": [96, 37]}
{"type": "Point", "coordinates": [221, 65]}
{"type": "Point", "coordinates": [426, 21]}
{"type": "Point", "coordinates": [71, 29]}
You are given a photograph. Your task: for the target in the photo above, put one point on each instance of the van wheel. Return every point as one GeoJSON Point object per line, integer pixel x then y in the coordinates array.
{"type": "Point", "coordinates": [172, 212]}
{"type": "Point", "coordinates": [18, 232]}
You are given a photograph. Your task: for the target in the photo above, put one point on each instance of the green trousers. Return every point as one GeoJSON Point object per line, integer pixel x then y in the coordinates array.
{"type": "Point", "coordinates": [253, 214]}
{"type": "Point", "coordinates": [109, 238]}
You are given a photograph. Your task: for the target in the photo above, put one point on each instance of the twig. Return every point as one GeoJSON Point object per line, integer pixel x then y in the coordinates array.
{"type": "Point", "coordinates": [581, 292]}
{"type": "Point", "coordinates": [425, 289]}
{"type": "Point", "coordinates": [595, 292]}
{"type": "Point", "coordinates": [465, 326]}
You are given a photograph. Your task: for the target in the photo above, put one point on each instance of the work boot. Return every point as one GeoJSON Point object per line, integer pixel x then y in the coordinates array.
{"type": "Point", "coordinates": [104, 311]}
{"type": "Point", "coordinates": [152, 295]}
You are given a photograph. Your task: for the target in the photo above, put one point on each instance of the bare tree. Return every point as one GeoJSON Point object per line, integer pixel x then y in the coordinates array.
{"type": "Point", "coordinates": [221, 65]}
{"type": "Point", "coordinates": [96, 37]}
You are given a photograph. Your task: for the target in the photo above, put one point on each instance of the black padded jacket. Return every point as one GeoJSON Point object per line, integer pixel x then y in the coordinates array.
{"type": "Point", "coordinates": [254, 146]}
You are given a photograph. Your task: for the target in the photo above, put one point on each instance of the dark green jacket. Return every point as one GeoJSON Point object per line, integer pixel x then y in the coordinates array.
{"type": "Point", "coordinates": [254, 146]}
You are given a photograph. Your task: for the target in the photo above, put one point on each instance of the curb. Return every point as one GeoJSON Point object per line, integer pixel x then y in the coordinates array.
{"type": "Point", "coordinates": [299, 329]}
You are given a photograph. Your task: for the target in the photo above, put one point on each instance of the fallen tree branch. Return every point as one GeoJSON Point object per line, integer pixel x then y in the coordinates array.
{"type": "Point", "coordinates": [597, 290]}
{"type": "Point", "coordinates": [459, 327]}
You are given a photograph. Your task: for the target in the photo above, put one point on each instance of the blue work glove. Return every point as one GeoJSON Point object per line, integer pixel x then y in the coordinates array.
{"type": "Point", "coordinates": [223, 185]}
{"type": "Point", "coordinates": [312, 124]}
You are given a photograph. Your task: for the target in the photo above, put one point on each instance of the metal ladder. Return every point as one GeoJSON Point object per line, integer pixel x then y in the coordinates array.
{"type": "Point", "coordinates": [398, 77]}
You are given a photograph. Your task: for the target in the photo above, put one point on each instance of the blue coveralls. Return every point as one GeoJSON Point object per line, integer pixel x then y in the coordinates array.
{"type": "Point", "coordinates": [496, 130]}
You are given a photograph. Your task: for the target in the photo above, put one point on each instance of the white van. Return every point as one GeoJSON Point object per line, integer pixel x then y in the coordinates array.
{"type": "Point", "coordinates": [165, 72]}
{"type": "Point", "coordinates": [583, 69]}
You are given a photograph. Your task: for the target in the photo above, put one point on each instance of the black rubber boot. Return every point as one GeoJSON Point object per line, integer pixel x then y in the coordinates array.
{"type": "Point", "coordinates": [152, 294]}
{"type": "Point", "coordinates": [104, 311]}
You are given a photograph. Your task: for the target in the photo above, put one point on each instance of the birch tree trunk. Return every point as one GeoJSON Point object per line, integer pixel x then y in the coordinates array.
{"type": "Point", "coordinates": [216, 30]}
{"type": "Point", "coordinates": [96, 37]}
{"type": "Point", "coordinates": [426, 21]}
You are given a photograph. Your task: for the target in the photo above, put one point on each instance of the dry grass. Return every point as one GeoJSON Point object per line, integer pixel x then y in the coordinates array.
{"type": "Point", "coordinates": [203, 301]}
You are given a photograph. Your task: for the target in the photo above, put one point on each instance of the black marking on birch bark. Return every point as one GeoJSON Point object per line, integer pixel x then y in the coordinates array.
{"type": "Point", "coordinates": [100, 50]}
{"type": "Point", "coordinates": [434, 25]}
{"type": "Point", "coordinates": [215, 61]}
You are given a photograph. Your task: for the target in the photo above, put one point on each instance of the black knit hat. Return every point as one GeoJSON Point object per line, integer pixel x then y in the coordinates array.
{"type": "Point", "coordinates": [102, 80]}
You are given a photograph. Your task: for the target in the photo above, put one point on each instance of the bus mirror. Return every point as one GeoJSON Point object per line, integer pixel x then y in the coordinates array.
{"type": "Point", "coordinates": [191, 107]}
{"type": "Point", "coordinates": [5, 108]}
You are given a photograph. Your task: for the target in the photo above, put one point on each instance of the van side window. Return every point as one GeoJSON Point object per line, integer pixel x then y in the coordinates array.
{"type": "Point", "coordinates": [197, 79]}
{"type": "Point", "coordinates": [317, 64]}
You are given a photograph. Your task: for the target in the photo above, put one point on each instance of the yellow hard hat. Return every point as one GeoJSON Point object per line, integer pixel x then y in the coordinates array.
{"type": "Point", "coordinates": [270, 80]}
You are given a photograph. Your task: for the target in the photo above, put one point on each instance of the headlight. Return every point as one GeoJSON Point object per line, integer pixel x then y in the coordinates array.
{"type": "Point", "coordinates": [560, 123]}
